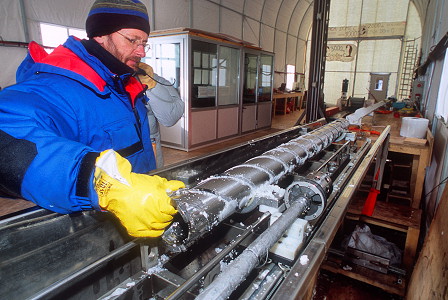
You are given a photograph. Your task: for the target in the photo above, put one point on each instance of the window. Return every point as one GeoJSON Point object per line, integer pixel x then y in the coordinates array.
{"type": "Point", "coordinates": [165, 60]}
{"type": "Point", "coordinates": [204, 74]}
{"type": "Point", "coordinates": [264, 87]}
{"type": "Point", "coordinates": [442, 97]}
{"type": "Point", "coordinates": [379, 85]}
{"type": "Point", "coordinates": [250, 77]}
{"type": "Point", "coordinates": [290, 76]}
{"type": "Point", "coordinates": [55, 35]}
{"type": "Point", "coordinates": [228, 75]}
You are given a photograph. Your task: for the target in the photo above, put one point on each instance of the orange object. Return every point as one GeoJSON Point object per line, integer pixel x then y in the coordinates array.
{"type": "Point", "coordinates": [369, 205]}
{"type": "Point", "coordinates": [371, 131]}
{"type": "Point", "coordinates": [384, 112]}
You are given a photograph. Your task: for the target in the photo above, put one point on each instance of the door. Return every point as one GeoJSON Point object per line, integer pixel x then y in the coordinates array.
{"type": "Point", "coordinates": [379, 83]}
{"type": "Point", "coordinates": [249, 118]}
{"type": "Point", "coordinates": [249, 112]}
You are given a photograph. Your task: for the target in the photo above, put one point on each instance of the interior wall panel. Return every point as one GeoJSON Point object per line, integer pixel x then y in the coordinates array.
{"type": "Point", "coordinates": [384, 11]}
{"type": "Point", "coordinates": [267, 38]}
{"type": "Point", "coordinates": [280, 56]}
{"type": "Point", "coordinates": [171, 14]}
{"type": "Point", "coordinates": [236, 5]}
{"type": "Point", "coordinates": [305, 26]}
{"type": "Point", "coordinates": [291, 50]}
{"type": "Point", "coordinates": [270, 11]}
{"type": "Point", "coordinates": [11, 27]}
{"type": "Point", "coordinates": [297, 17]}
{"type": "Point", "coordinates": [253, 8]}
{"type": "Point", "coordinates": [284, 14]}
{"type": "Point", "coordinates": [205, 15]}
{"type": "Point", "coordinates": [345, 13]}
{"type": "Point", "coordinates": [231, 23]}
{"type": "Point", "coordinates": [10, 59]}
{"type": "Point", "coordinates": [251, 31]}
{"type": "Point", "coordinates": [66, 13]}
{"type": "Point", "coordinates": [301, 56]}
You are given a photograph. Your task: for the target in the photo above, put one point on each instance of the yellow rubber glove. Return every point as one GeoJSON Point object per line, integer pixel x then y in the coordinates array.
{"type": "Point", "coordinates": [147, 79]}
{"type": "Point", "coordinates": [139, 201]}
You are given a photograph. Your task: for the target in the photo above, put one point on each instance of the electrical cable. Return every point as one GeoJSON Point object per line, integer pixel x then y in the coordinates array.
{"type": "Point", "coordinates": [142, 72]}
{"type": "Point", "coordinates": [440, 183]}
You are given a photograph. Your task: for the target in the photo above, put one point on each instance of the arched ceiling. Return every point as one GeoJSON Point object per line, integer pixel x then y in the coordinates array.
{"type": "Point", "coordinates": [288, 15]}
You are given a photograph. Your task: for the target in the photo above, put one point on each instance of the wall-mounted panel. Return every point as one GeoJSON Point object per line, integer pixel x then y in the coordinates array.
{"type": "Point", "coordinates": [203, 126]}
{"type": "Point", "coordinates": [249, 118]}
{"type": "Point", "coordinates": [264, 114]}
{"type": "Point", "coordinates": [228, 122]}
{"type": "Point", "coordinates": [174, 135]}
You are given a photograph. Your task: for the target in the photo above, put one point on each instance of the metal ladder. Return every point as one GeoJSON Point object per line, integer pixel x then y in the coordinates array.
{"type": "Point", "coordinates": [407, 69]}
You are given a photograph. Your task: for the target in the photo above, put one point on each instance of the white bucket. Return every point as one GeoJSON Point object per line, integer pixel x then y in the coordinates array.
{"type": "Point", "coordinates": [414, 127]}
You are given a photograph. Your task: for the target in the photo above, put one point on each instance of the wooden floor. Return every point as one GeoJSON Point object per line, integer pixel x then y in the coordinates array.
{"type": "Point", "coordinates": [171, 156]}
{"type": "Point", "coordinates": [279, 122]}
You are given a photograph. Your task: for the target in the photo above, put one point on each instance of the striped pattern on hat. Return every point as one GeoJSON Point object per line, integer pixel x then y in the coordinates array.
{"type": "Point", "coordinates": [108, 16]}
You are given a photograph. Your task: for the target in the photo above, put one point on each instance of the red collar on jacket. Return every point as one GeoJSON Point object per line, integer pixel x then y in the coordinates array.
{"type": "Point", "coordinates": [64, 58]}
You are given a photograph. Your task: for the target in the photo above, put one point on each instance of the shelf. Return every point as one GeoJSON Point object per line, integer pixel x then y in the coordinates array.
{"type": "Point", "coordinates": [392, 216]}
{"type": "Point", "coordinates": [391, 283]}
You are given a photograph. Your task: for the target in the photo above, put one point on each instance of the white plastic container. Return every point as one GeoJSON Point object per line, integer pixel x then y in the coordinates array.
{"type": "Point", "coordinates": [414, 127]}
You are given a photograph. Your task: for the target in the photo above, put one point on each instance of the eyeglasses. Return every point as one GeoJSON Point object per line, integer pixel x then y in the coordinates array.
{"type": "Point", "coordinates": [136, 42]}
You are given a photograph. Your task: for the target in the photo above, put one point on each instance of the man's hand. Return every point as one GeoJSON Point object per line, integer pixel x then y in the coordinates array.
{"type": "Point", "coordinates": [148, 78]}
{"type": "Point", "coordinates": [140, 201]}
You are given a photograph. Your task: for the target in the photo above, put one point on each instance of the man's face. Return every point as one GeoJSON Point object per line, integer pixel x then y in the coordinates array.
{"type": "Point", "coordinates": [127, 45]}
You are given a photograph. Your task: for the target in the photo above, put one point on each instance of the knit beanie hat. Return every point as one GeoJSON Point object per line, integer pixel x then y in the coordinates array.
{"type": "Point", "coordinates": [108, 16]}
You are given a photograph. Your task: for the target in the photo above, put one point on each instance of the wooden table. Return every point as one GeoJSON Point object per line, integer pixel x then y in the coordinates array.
{"type": "Point", "coordinates": [421, 149]}
{"type": "Point", "coordinates": [283, 98]}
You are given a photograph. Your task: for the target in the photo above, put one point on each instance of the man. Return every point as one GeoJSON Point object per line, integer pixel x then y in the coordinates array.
{"type": "Point", "coordinates": [73, 131]}
{"type": "Point", "coordinates": [166, 107]}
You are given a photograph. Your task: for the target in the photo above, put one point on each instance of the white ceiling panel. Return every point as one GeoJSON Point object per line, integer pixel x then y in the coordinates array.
{"type": "Point", "coordinates": [267, 38]}
{"type": "Point", "coordinates": [171, 14]}
{"type": "Point", "coordinates": [231, 23]}
{"type": "Point", "coordinates": [284, 14]}
{"type": "Point", "coordinates": [11, 27]}
{"type": "Point", "coordinates": [279, 50]}
{"type": "Point", "coordinates": [253, 8]}
{"type": "Point", "coordinates": [300, 10]}
{"type": "Point", "coordinates": [291, 50]}
{"type": "Point", "coordinates": [270, 12]}
{"type": "Point", "coordinates": [251, 31]}
{"type": "Point", "coordinates": [236, 5]}
{"type": "Point", "coordinates": [205, 16]}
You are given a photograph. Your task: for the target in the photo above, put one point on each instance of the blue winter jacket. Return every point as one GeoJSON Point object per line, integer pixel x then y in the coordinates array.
{"type": "Point", "coordinates": [66, 108]}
